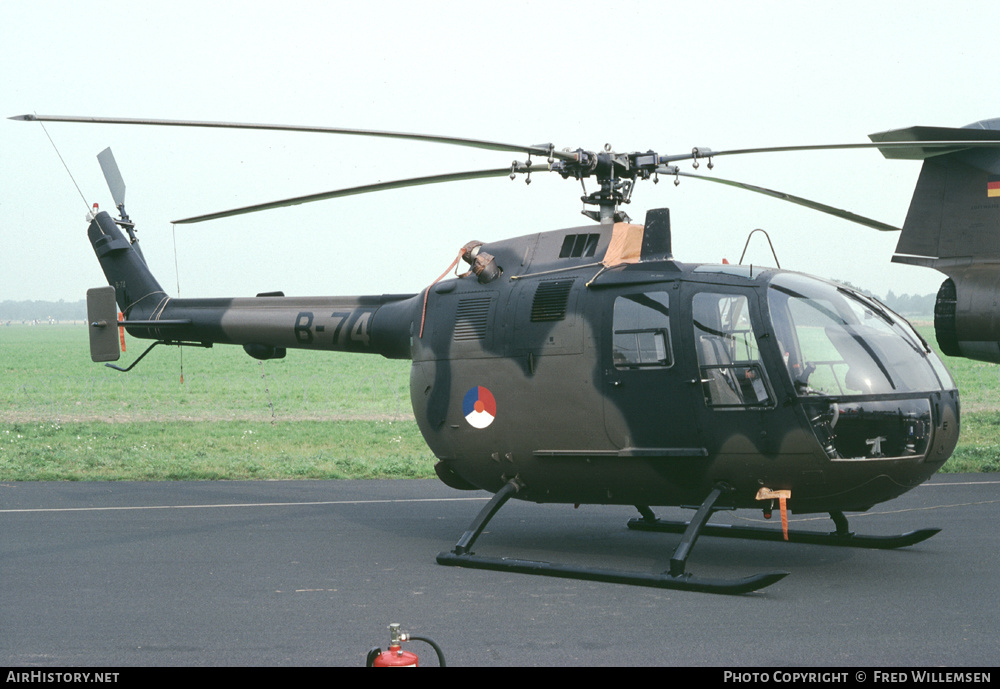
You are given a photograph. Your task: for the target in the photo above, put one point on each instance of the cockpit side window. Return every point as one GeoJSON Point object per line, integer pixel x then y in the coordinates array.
{"type": "Point", "coordinates": [732, 374]}
{"type": "Point", "coordinates": [642, 331]}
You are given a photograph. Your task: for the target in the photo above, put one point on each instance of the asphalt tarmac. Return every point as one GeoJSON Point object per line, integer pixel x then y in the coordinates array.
{"type": "Point", "coordinates": [303, 573]}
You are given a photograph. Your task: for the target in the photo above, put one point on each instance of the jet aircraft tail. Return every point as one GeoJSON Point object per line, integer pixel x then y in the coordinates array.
{"type": "Point", "coordinates": [953, 225]}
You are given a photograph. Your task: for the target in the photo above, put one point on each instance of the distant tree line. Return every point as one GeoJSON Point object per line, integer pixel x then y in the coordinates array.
{"type": "Point", "coordinates": [18, 311]}
{"type": "Point", "coordinates": [904, 304]}
{"type": "Point", "coordinates": [911, 304]}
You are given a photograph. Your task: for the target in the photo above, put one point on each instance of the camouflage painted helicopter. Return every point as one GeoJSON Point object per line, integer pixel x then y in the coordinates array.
{"type": "Point", "coordinates": [587, 365]}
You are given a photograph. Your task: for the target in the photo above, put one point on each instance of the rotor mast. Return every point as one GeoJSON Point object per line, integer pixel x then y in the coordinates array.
{"type": "Point", "coordinates": [615, 174]}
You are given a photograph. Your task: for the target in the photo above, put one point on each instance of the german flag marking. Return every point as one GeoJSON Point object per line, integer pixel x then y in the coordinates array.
{"type": "Point", "coordinates": [993, 185]}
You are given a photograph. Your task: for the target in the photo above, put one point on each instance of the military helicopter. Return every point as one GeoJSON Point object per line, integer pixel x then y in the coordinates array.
{"type": "Point", "coordinates": [588, 365]}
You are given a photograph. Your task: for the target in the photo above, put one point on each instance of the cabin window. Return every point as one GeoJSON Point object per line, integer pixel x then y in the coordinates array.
{"type": "Point", "coordinates": [577, 245]}
{"type": "Point", "coordinates": [642, 331]}
{"type": "Point", "coordinates": [732, 374]}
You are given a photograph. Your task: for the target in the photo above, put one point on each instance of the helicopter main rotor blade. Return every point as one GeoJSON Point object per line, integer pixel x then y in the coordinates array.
{"type": "Point", "coordinates": [908, 150]}
{"type": "Point", "coordinates": [798, 200]}
{"type": "Point", "coordinates": [542, 149]}
{"type": "Point", "coordinates": [900, 143]}
{"type": "Point", "coordinates": [364, 189]}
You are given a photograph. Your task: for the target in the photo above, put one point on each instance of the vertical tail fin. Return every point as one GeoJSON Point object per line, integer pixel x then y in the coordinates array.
{"type": "Point", "coordinates": [954, 216]}
{"type": "Point", "coordinates": [137, 292]}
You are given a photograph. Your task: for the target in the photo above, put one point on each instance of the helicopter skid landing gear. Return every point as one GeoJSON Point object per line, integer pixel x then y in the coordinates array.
{"type": "Point", "coordinates": [676, 578]}
{"type": "Point", "coordinates": [840, 537]}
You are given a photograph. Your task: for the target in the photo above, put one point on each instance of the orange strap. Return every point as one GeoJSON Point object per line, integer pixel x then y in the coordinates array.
{"type": "Point", "coordinates": [121, 329]}
{"type": "Point", "coordinates": [782, 495]}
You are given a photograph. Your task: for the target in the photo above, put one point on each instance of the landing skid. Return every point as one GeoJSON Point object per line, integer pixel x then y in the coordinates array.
{"type": "Point", "coordinates": [675, 578]}
{"type": "Point", "coordinates": [840, 537]}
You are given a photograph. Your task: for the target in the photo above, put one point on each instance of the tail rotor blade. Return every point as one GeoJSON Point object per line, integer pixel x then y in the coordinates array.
{"type": "Point", "coordinates": [113, 177]}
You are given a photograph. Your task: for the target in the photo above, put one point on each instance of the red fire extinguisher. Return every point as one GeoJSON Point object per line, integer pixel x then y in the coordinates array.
{"type": "Point", "coordinates": [396, 656]}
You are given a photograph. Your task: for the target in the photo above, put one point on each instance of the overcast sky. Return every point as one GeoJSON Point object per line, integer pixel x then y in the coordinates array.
{"type": "Point", "coordinates": [638, 75]}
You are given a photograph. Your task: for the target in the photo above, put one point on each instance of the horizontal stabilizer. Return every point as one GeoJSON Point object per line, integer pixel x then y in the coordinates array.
{"type": "Point", "coordinates": [984, 130]}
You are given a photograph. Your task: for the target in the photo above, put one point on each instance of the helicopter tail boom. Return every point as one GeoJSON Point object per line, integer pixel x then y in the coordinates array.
{"type": "Point", "coordinates": [265, 325]}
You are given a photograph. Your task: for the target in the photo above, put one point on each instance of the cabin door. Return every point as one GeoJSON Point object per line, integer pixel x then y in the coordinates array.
{"type": "Point", "coordinates": [650, 379]}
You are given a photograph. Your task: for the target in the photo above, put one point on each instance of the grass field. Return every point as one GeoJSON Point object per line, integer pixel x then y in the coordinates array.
{"type": "Point", "coordinates": [310, 415]}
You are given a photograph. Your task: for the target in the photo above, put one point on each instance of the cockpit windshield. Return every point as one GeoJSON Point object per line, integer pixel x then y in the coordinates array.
{"type": "Point", "coordinates": [837, 342]}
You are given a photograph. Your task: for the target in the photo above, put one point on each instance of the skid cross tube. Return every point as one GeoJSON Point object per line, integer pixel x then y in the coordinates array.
{"type": "Point", "coordinates": [676, 578]}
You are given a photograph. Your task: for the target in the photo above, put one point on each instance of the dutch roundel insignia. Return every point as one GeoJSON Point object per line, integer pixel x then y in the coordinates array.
{"type": "Point", "coordinates": [479, 407]}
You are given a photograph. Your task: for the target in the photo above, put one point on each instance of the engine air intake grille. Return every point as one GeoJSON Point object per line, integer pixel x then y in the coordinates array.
{"type": "Point", "coordinates": [472, 319]}
{"type": "Point", "coordinates": [550, 300]}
